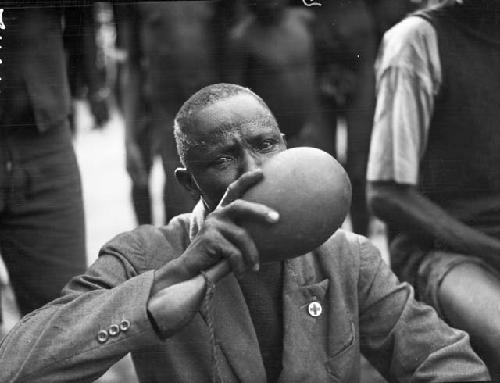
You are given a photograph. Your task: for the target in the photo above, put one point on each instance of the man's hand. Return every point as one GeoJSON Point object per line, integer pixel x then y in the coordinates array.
{"type": "Point", "coordinates": [179, 286]}
{"type": "Point", "coordinates": [135, 164]}
{"type": "Point", "coordinates": [221, 237]}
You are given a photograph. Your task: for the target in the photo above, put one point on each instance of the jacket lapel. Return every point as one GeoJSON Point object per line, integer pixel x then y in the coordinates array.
{"type": "Point", "coordinates": [234, 331]}
{"type": "Point", "coordinates": [233, 327]}
{"type": "Point", "coordinates": [305, 336]}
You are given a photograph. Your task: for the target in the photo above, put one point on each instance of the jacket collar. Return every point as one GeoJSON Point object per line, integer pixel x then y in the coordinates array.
{"type": "Point", "coordinates": [197, 218]}
{"type": "Point", "coordinates": [234, 330]}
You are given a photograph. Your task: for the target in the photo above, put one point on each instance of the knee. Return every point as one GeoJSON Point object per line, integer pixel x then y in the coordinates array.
{"type": "Point", "coordinates": [469, 297]}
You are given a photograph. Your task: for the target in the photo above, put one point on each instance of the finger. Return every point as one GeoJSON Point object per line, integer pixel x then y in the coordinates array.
{"type": "Point", "coordinates": [236, 189]}
{"type": "Point", "coordinates": [218, 271]}
{"type": "Point", "coordinates": [211, 247]}
{"type": "Point", "coordinates": [234, 256]}
{"type": "Point", "coordinates": [232, 243]}
{"type": "Point", "coordinates": [240, 209]}
{"type": "Point", "coordinates": [240, 238]}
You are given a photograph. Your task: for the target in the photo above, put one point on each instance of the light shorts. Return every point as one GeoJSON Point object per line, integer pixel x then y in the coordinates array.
{"type": "Point", "coordinates": [425, 268]}
{"type": "Point", "coordinates": [434, 267]}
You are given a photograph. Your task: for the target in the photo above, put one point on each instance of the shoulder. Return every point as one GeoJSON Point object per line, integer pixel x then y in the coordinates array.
{"type": "Point", "coordinates": [348, 253]}
{"type": "Point", "coordinates": [344, 241]}
{"type": "Point", "coordinates": [300, 14]}
{"type": "Point", "coordinates": [410, 29]}
{"type": "Point", "coordinates": [242, 30]}
{"type": "Point", "coordinates": [411, 39]}
{"type": "Point", "coordinates": [342, 251]}
{"type": "Point", "coordinates": [412, 47]}
{"type": "Point", "coordinates": [147, 247]}
{"type": "Point", "coordinates": [298, 21]}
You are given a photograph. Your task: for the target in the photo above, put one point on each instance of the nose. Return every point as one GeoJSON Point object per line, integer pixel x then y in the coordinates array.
{"type": "Point", "coordinates": [251, 161]}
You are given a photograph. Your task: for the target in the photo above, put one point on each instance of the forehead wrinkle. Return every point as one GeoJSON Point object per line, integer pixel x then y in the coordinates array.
{"type": "Point", "coordinates": [221, 137]}
{"type": "Point", "coordinates": [227, 129]}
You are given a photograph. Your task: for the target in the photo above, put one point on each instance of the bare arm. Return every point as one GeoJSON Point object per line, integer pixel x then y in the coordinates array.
{"type": "Point", "coordinates": [404, 207]}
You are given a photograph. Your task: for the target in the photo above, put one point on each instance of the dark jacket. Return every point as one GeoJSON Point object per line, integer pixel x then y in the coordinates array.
{"type": "Point", "coordinates": [365, 309]}
{"type": "Point", "coordinates": [33, 70]}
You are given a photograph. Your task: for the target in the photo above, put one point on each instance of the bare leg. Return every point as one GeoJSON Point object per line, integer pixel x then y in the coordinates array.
{"type": "Point", "coordinates": [141, 194]}
{"type": "Point", "coordinates": [141, 200]}
{"type": "Point", "coordinates": [470, 299]}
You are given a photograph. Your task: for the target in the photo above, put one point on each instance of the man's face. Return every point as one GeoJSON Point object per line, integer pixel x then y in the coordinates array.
{"type": "Point", "coordinates": [231, 136]}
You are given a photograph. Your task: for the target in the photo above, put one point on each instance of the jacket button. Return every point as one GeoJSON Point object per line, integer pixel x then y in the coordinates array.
{"type": "Point", "coordinates": [102, 336]}
{"type": "Point", "coordinates": [113, 330]}
{"type": "Point", "coordinates": [315, 309]}
{"type": "Point", "coordinates": [124, 325]}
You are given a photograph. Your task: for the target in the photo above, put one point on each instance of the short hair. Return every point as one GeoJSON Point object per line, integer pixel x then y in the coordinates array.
{"type": "Point", "coordinates": [201, 99]}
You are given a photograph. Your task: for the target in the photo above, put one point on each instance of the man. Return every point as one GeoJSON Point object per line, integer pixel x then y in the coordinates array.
{"type": "Point", "coordinates": [42, 234]}
{"type": "Point", "coordinates": [85, 64]}
{"type": "Point", "coordinates": [300, 320]}
{"type": "Point", "coordinates": [173, 49]}
{"type": "Point", "coordinates": [347, 38]}
{"type": "Point", "coordinates": [433, 166]}
{"type": "Point", "coordinates": [271, 51]}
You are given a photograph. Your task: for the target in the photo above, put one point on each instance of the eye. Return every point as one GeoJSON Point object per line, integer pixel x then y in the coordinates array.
{"type": "Point", "coordinates": [267, 144]}
{"type": "Point", "coordinates": [221, 162]}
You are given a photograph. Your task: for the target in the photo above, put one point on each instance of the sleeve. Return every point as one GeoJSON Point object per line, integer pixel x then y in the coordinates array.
{"type": "Point", "coordinates": [408, 77]}
{"type": "Point", "coordinates": [100, 316]}
{"type": "Point", "coordinates": [404, 339]}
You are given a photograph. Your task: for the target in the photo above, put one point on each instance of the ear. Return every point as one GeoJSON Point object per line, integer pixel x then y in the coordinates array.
{"type": "Point", "coordinates": [185, 178]}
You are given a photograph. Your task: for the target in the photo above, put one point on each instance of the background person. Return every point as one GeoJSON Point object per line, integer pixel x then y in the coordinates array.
{"type": "Point", "coordinates": [347, 34]}
{"type": "Point", "coordinates": [42, 237]}
{"type": "Point", "coordinates": [433, 170]}
{"type": "Point", "coordinates": [173, 48]}
{"type": "Point", "coordinates": [271, 51]}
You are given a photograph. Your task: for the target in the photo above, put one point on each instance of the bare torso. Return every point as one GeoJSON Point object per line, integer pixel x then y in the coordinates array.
{"type": "Point", "coordinates": [279, 67]}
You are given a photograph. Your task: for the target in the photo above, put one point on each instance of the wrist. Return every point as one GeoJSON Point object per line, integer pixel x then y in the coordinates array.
{"type": "Point", "coordinates": [173, 272]}
{"type": "Point", "coordinates": [171, 308]}
{"type": "Point", "coordinates": [154, 323]}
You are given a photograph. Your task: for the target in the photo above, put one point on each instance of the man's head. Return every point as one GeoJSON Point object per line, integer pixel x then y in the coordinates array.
{"type": "Point", "coordinates": [223, 131]}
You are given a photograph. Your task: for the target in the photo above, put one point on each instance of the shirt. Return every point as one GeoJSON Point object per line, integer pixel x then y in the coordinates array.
{"type": "Point", "coordinates": [408, 73]}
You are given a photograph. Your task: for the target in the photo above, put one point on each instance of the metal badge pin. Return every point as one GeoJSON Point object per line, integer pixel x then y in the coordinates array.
{"type": "Point", "coordinates": [314, 309]}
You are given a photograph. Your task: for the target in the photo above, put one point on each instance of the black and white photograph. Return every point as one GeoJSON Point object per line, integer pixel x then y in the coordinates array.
{"type": "Point", "coordinates": [254, 191]}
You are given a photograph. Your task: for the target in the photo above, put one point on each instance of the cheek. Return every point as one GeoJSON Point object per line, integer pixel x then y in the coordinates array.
{"type": "Point", "coordinates": [213, 187]}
